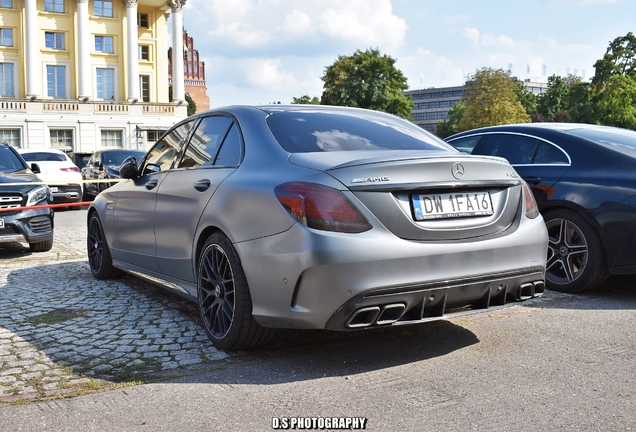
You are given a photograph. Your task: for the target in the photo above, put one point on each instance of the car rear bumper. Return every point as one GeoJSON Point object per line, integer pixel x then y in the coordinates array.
{"type": "Point", "coordinates": [304, 278]}
{"type": "Point", "coordinates": [67, 193]}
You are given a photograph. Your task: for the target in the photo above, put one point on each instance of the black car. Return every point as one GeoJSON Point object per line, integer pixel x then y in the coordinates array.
{"type": "Point", "coordinates": [103, 165]}
{"type": "Point", "coordinates": [584, 182]}
{"type": "Point", "coordinates": [19, 189]}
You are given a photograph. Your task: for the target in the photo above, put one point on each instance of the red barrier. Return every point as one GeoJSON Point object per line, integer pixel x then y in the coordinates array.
{"type": "Point", "coordinates": [72, 204]}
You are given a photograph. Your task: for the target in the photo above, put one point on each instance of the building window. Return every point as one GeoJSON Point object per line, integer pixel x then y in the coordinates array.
{"type": "Point", "coordinates": [112, 138]}
{"type": "Point", "coordinates": [62, 139]}
{"type": "Point", "coordinates": [12, 136]}
{"type": "Point", "coordinates": [6, 3]}
{"type": "Point", "coordinates": [6, 80]}
{"type": "Point", "coordinates": [144, 52]}
{"type": "Point", "coordinates": [105, 83]}
{"type": "Point", "coordinates": [104, 44]}
{"type": "Point", "coordinates": [6, 37]}
{"type": "Point", "coordinates": [54, 5]}
{"type": "Point", "coordinates": [54, 40]}
{"type": "Point", "coordinates": [152, 136]}
{"type": "Point", "coordinates": [103, 8]}
{"type": "Point", "coordinates": [142, 20]}
{"type": "Point", "coordinates": [144, 87]}
{"type": "Point", "coordinates": [56, 81]}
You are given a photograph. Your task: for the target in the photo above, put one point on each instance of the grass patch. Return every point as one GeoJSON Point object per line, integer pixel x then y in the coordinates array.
{"type": "Point", "coordinates": [21, 402]}
{"type": "Point", "coordinates": [56, 316]}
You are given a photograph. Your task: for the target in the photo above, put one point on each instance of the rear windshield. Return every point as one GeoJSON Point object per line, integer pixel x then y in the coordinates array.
{"type": "Point", "coordinates": [620, 140]}
{"type": "Point", "coordinates": [321, 131]}
{"type": "Point", "coordinates": [43, 157]}
{"type": "Point", "coordinates": [9, 162]}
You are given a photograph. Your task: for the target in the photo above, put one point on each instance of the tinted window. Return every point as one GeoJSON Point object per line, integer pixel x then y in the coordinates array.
{"type": "Point", "coordinates": [517, 149]}
{"type": "Point", "coordinates": [205, 142]}
{"type": "Point", "coordinates": [163, 154]}
{"type": "Point", "coordinates": [230, 154]}
{"type": "Point", "coordinates": [44, 157]}
{"type": "Point", "coordinates": [549, 154]}
{"type": "Point", "coordinates": [115, 158]}
{"type": "Point", "coordinates": [620, 140]}
{"type": "Point", "coordinates": [319, 131]}
{"type": "Point", "coordinates": [9, 162]}
{"type": "Point", "coordinates": [466, 144]}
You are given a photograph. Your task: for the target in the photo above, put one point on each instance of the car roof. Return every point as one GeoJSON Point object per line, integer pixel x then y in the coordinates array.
{"type": "Point", "coordinates": [520, 127]}
{"type": "Point", "coordinates": [40, 150]}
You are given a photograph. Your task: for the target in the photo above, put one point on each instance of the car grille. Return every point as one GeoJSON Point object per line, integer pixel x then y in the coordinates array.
{"type": "Point", "coordinates": [40, 224]}
{"type": "Point", "coordinates": [8, 201]}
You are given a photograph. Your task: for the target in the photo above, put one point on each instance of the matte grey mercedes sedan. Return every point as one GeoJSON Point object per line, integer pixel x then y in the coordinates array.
{"type": "Point", "coordinates": [316, 217]}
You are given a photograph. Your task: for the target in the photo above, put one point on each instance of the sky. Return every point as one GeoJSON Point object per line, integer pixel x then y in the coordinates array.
{"type": "Point", "coordinates": [264, 51]}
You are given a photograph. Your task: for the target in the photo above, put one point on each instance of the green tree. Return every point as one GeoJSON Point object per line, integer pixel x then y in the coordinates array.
{"type": "Point", "coordinates": [491, 98]}
{"type": "Point", "coordinates": [306, 100]}
{"type": "Point", "coordinates": [192, 106]}
{"type": "Point", "coordinates": [554, 99]}
{"type": "Point", "coordinates": [450, 127]}
{"type": "Point", "coordinates": [581, 108]}
{"type": "Point", "coordinates": [367, 79]}
{"type": "Point", "coordinates": [619, 59]}
{"type": "Point", "coordinates": [617, 102]}
{"type": "Point", "coordinates": [527, 98]}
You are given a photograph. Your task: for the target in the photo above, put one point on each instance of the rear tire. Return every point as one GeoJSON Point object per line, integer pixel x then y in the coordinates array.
{"type": "Point", "coordinates": [43, 246]}
{"type": "Point", "coordinates": [99, 258]}
{"type": "Point", "coordinates": [225, 304]}
{"type": "Point", "coordinates": [576, 258]}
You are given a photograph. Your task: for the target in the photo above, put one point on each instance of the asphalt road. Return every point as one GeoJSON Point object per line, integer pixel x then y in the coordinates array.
{"type": "Point", "coordinates": [561, 362]}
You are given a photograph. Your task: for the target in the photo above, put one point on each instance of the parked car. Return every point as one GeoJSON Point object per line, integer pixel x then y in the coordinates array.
{"type": "Point", "coordinates": [103, 165]}
{"type": "Point", "coordinates": [59, 172]}
{"type": "Point", "coordinates": [80, 158]}
{"type": "Point", "coordinates": [19, 189]}
{"type": "Point", "coordinates": [583, 180]}
{"type": "Point", "coordinates": [318, 218]}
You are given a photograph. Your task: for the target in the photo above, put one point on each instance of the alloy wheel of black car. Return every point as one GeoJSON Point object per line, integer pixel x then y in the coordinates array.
{"type": "Point", "coordinates": [225, 304]}
{"type": "Point", "coordinates": [575, 261]}
{"type": "Point", "coordinates": [99, 259]}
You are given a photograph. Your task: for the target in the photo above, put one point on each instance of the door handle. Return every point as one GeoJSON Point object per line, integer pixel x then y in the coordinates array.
{"type": "Point", "coordinates": [151, 184]}
{"type": "Point", "coordinates": [533, 180]}
{"type": "Point", "coordinates": [202, 185]}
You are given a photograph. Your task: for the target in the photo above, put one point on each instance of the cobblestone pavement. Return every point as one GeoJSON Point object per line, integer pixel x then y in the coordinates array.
{"type": "Point", "coordinates": [64, 332]}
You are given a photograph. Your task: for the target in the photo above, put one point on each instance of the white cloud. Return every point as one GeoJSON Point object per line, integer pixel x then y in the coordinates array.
{"type": "Point", "coordinates": [472, 34]}
{"type": "Point", "coordinates": [297, 23]}
{"type": "Point", "coordinates": [241, 35]}
{"type": "Point", "coordinates": [267, 73]}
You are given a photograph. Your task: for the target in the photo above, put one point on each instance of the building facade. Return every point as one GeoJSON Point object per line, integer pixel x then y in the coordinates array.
{"type": "Point", "coordinates": [80, 75]}
{"type": "Point", "coordinates": [194, 73]}
{"type": "Point", "coordinates": [431, 105]}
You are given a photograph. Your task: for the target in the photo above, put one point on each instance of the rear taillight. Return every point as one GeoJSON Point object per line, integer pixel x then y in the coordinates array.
{"type": "Point", "coordinates": [73, 169]}
{"type": "Point", "coordinates": [532, 210]}
{"type": "Point", "coordinates": [321, 207]}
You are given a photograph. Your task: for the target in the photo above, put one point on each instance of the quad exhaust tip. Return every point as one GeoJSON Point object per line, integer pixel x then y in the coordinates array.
{"type": "Point", "coordinates": [379, 315]}
{"type": "Point", "coordinates": [530, 290]}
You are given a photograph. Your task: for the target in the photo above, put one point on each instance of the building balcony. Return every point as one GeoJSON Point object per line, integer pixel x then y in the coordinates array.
{"type": "Point", "coordinates": [73, 106]}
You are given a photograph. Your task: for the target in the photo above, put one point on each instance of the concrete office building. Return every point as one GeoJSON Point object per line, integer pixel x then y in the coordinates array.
{"type": "Point", "coordinates": [431, 105]}
{"type": "Point", "coordinates": [80, 75]}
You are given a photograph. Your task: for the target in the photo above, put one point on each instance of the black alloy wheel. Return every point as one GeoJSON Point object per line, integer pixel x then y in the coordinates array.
{"type": "Point", "coordinates": [224, 300]}
{"type": "Point", "coordinates": [576, 260]}
{"type": "Point", "coordinates": [99, 259]}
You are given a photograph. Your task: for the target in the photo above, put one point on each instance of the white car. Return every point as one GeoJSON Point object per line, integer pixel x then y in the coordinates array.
{"type": "Point", "coordinates": [58, 171]}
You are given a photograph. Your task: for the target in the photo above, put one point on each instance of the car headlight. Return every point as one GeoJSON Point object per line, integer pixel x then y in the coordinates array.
{"type": "Point", "coordinates": [39, 194]}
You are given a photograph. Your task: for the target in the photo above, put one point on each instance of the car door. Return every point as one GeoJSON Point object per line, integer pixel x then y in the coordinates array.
{"type": "Point", "coordinates": [539, 162]}
{"type": "Point", "coordinates": [213, 153]}
{"type": "Point", "coordinates": [136, 200]}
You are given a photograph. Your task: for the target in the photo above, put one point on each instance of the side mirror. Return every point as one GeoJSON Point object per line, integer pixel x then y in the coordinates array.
{"type": "Point", "coordinates": [35, 168]}
{"type": "Point", "coordinates": [128, 168]}
{"type": "Point", "coordinates": [100, 166]}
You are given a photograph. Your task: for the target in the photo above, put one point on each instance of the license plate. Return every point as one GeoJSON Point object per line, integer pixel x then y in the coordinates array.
{"type": "Point", "coordinates": [1, 223]}
{"type": "Point", "coordinates": [452, 205]}
{"type": "Point", "coordinates": [53, 188]}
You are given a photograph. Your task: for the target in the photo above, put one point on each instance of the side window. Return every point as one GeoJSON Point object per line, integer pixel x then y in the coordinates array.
{"type": "Point", "coordinates": [162, 156]}
{"type": "Point", "coordinates": [230, 154]}
{"type": "Point", "coordinates": [466, 144]}
{"type": "Point", "coordinates": [517, 149]}
{"type": "Point", "coordinates": [549, 154]}
{"type": "Point", "coordinates": [205, 142]}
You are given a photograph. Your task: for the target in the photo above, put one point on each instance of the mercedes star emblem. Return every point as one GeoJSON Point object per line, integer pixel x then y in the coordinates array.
{"type": "Point", "coordinates": [458, 171]}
